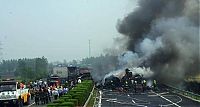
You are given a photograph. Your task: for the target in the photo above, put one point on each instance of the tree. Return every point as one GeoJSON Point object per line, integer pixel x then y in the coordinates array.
{"type": "Point", "coordinates": [41, 67]}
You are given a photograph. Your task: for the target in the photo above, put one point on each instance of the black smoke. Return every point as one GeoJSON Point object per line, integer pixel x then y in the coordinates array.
{"type": "Point", "coordinates": [165, 35]}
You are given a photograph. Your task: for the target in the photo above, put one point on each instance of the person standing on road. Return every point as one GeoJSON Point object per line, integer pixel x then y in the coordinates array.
{"type": "Point", "coordinates": [143, 85]}
{"type": "Point", "coordinates": [55, 93]}
{"type": "Point", "coordinates": [135, 86]}
{"type": "Point", "coordinates": [43, 96]}
{"type": "Point", "coordinates": [20, 101]}
{"type": "Point", "coordinates": [60, 91]}
{"type": "Point", "coordinates": [79, 80]}
{"type": "Point", "coordinates": [154, 84]}
{"type": "Point", "coordinates": [37, 97]}
{"type": "Point", "coordinates": [32, 93]}
{"type": "Point", "coordinates": [65, 90]}
{"type": "Point", "coordinates": [49, 94]}
{"type": "Point", "coordinates": [46, 96]}
{"type": "Point", "coordinates": [72, 84]}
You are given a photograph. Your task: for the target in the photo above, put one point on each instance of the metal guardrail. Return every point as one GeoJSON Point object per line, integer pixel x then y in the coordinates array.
{"type": "Point", "coordinates": [95, 101]}
{"type": "Point", "coordinates": [185, 93]}
{"type": "Point", "coordinates": [98, 98]}
{"type": "Point", "coordinates": [91, 93]}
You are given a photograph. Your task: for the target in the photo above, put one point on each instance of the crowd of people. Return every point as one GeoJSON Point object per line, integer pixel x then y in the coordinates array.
{"type": "Point", "coordinates": [43, 94]}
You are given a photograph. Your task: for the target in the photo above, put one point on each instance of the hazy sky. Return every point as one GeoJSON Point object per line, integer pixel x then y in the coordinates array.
{"type": "Point", "coordinates": [59, 29]}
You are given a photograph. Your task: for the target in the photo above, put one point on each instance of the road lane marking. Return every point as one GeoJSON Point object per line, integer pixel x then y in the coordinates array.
{"type": "Point", "coordinates": [126, 103]}
{"type": "Point", "coordinates": [133, 101]}
{"type": "Point", "coordinates": [31, 104]}
{"type": "Point", "coordinates": [158, 93]}
{"type": "Point", "coordinates": [163, 93]}
{"type": "Point", "coordinates": [176, 102]}
{"type": "Point", "coordinates": [100, 97]}
{"type": "Point", "coordinates": [144, 101]}
{"type": "Point", "coordinates": [166, 99]}
{"type": "Point", "coordinates": [114, 99]}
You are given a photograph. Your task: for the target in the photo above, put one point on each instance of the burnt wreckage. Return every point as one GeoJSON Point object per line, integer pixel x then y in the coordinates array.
{"type": "Point", "coordinates": [127, 82]}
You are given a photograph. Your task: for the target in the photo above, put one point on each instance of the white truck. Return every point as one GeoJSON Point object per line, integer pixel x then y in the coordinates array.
{"type": "Point", "coordinates": [11, 95]}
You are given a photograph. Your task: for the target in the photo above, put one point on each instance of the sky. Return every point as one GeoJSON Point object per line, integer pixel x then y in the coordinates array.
{"type": "Point", "coordinates": [59, 29]}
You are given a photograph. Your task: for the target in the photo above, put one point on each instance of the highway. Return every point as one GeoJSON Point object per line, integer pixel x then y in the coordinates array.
{"type": "Point", "coordinates": [147, 99]}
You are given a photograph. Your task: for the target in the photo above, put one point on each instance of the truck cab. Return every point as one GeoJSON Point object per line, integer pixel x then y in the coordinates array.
{"type": "Point", "coordinates": [10, 93]}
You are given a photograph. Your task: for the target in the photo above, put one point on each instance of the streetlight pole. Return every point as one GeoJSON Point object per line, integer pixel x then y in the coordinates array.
{"type": "Point", "coordinates": [89, 49]}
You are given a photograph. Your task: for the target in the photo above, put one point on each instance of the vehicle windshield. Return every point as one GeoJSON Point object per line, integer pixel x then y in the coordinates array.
{"type": "Point", "coordinates": [10, 87]}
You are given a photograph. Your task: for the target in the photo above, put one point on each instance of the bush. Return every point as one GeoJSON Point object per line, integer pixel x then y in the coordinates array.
{"type": "Point", "coordinates": [81, 98]}
{"type": "Point", "coordinates": [76, 96]}
{"type": "Point", "coordinates": [59, 101]}
{"type": "Point", "coordinates": [52, 105]}
{"type": "Point", "coordinates": [64, 98]}
{"type": "Point", "coordinates": [68, 104]}
{"type": "Point", "coordinates": [67, 96]}
{"type": "Point", "coordinates": [75, 101]}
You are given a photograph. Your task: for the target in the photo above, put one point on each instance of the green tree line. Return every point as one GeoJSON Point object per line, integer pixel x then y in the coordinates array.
{"type": "Point", "coordinates": [26, 69]}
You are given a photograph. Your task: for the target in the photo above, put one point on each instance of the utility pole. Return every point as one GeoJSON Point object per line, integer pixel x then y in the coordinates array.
{"type": "Point", "coordinates": [89, 49]}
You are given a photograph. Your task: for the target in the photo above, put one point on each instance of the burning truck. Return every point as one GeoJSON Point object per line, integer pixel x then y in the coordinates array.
{"type": "Point", "coordinates": [128, 80]}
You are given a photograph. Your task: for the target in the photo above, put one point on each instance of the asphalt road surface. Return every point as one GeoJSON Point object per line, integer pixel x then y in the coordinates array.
{"type": "Point", "coordinates": [32, 104]}
{"type": "Point", "coordinates": [147, 99]}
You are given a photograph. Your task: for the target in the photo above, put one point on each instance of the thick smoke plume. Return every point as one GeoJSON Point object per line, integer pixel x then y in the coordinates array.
{"type": "Point", "coordinates": [164, 35]}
